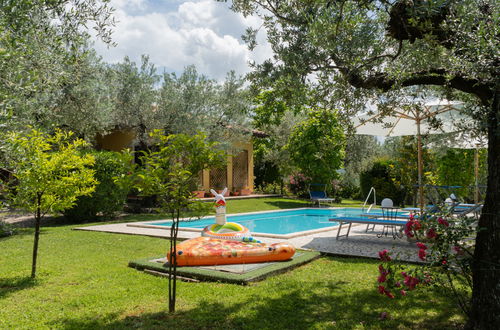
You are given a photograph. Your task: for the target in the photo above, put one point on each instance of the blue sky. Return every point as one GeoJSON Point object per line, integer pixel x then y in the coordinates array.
{"type": "Point", "coordinates": [177, 33]}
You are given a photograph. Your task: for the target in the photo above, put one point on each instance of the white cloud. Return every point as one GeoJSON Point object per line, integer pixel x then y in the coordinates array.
{"type": "Point", "coordinates": [205, 33]}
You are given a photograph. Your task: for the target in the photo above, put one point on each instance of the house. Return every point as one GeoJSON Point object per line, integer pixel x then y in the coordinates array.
{"type": "Point", "coordinates": [237, 176]}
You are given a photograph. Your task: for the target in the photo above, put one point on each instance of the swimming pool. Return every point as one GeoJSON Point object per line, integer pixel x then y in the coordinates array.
{"type": "Point", "coordinates": [280, 224]}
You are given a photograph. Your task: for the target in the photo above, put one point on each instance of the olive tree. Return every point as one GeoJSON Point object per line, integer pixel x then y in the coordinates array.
{"type": "Point", "coordinates": [40, 41]}
{"type": "Point", "coordinates": [49, 174]}
{"type": "Point", "coordinates": [356, 50]}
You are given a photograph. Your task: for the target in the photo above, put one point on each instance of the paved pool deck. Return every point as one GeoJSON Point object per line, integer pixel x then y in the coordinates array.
{"type": "Point", "coordinates": [358, 244]}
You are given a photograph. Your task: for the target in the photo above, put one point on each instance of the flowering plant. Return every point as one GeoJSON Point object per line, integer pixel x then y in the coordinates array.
{"type": "Point", "coordinates": [298, 184]}
{"type": "Point", "coordinates": [445, 247]}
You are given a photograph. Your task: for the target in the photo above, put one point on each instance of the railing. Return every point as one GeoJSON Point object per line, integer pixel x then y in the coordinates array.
{"type": "Point", "coordinates": [368, 197]}
{"type": "Point", "coordinates": [369, 208]}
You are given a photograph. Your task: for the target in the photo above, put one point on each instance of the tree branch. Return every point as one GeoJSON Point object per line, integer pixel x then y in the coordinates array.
{"type": "Point", "coordinates": [437, 77]}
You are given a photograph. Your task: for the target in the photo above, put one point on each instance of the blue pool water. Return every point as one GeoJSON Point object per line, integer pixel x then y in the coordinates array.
{"type": "Point", "coordinates": [279, 222]}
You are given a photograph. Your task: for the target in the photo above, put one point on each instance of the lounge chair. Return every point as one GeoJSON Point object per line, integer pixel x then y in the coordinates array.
{"type": "Point", "coordinates": [392, 221]}
{"type": "Point", "coordinates": [317, 193]}
{"type": "Point", "coordinates": [367, 221]}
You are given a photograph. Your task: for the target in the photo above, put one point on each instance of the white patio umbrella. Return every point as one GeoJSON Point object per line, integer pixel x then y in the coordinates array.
{"type": "Point", "coordinates": [412, 120]}
{"type": "Point", "coordinates": [465, 140]}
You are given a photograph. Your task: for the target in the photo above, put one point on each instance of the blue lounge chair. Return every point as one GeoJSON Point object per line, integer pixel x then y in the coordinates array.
{"type": "Point", "coordinates": [317, 193]}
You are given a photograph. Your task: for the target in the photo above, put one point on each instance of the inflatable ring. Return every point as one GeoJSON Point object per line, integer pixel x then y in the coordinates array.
{"type": "Point", "coordinates": [230, 230]}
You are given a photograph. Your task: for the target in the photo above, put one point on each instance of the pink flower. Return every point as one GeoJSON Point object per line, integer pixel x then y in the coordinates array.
{"type": "Point", "coordinates": [403, 292]}
{"type": "Point", "coordinates": [458, 250]}
{"type": "Point", "coordinates": [443, 222]}
{"type": "Point", "coordinates": [411, 226]}
{"type": "Point", "coordinates": [398, 284]}
{"type": "Point", "coordinates": [421, 246]}
{"type": "Point", "coordinates": [382, 278]}
{"type": "Point", "coordinates": [408, 229]}
{"type": "Point", "coordinates": [416, 225]}
{"type": "Point", "coordinates": [431, 233]}
{"type": "Point", "coordinates": [383, 290]}
{"type": "Point", "coordinates": [444, 262]}
{"type": "Point", "coordinates": [384, 255]}
{"type": "Point", "coordinates": [422, 254]}
{"type": "Point", "coordinates": [411, 282]}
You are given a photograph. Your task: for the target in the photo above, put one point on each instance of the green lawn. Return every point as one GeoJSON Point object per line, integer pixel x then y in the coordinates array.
{"type": "Point", "coordinates": [84, 283]}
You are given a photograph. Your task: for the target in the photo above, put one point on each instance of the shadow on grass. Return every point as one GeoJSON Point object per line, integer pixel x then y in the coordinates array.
{"type": "Point", "coordinates": [289, 204]}
{"type": "Point", "coordinates": [14, 284]}
{"type": "Point", "coordinates": [17, 233]}
{"type": "Point", "coordinates": [302, 305]}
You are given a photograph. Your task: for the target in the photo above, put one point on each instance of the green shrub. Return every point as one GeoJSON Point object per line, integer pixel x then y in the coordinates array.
{"type": "Point", "coordinates": [6, 229]}
{"type": "Point", "coordinates": [111, 171]}
{"type": "Point", "coordinates": [349, 190]}
{"type": "Point", "coordinates": [379, 177]}
{"type": "Point", "coordinates": [271, 188]}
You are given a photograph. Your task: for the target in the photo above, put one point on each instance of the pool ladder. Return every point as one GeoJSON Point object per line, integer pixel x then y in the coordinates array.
{"type": "Point", "coordinates": [372, 189]}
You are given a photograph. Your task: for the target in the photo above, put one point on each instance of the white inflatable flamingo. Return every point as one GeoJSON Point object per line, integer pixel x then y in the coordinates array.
{"type": "Point", "coordinates": [220, 206]}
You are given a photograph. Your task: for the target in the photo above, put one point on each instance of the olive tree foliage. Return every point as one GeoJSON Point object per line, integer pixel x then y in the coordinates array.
{"type": "Point", "coordinates": [357, 50]}
{"type": "Point", "coordinates": [192, 102]}
{"type": "Point", "coordinates": [50, 174]}
{"type": "Point", "coordinates": [360, 153]}
{"type": "Point", "coordinates": [86, 102]}
{"type": "Point", "coordinates": [40, 40]}
{"type": "Point", "coordinates": [134, 95]}
{"type": "Point", "coordinates": [271, 157]}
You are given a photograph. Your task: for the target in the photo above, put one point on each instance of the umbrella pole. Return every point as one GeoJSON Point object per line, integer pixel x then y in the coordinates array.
{"type": "Point", "coordinates": [476, 174]}
{"type": "Point", "coordinates": [420, 168]}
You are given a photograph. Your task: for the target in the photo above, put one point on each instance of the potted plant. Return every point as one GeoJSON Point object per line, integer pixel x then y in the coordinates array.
{"type": "Point", "coordinates": [219, 191]}
{"type": "Point", "coordinates": [198, 191]}
{"type": "Point", "coordinates": [245, 191]}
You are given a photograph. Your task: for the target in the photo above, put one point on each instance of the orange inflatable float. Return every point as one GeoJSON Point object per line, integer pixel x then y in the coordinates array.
{"type": "Point", "coordinates": [205, 251]}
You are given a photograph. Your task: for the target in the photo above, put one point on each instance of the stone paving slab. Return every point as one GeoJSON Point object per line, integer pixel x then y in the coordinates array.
{"type": "Point", "coordinates": [358, 244]}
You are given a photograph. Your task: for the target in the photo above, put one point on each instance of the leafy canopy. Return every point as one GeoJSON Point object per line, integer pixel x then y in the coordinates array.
{"type": "Point", "coordinates": [316, 146]}
{"type": "Point", "coordinates": [50, 171]}
{"type": "Point", "coordinates": [39, 43]}
{"type": "Point", "coordinates": [172, 166]}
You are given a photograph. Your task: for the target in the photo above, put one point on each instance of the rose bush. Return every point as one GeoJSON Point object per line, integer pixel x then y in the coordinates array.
{"type": "Point", "coordinates": [445, 247]}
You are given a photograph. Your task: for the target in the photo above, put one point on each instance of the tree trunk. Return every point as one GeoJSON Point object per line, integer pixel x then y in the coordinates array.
{"type": "Point", "coordinates": [38, 217]}
{"type": "Point", "coordinates": [172, 264]}
{"type": "Point", "coordinates": [171, 267]}
{"type": "Point", "coordinates": [485, 304]}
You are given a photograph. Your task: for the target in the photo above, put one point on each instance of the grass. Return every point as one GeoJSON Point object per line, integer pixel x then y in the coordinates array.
{"type": "Point", "coordinates": [84, 283]}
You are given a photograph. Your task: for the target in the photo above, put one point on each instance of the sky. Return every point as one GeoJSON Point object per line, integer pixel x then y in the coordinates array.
{"type": "Point", "coordinates": [178, 33]}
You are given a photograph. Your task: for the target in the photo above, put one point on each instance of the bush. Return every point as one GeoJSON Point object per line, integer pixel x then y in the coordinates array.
{"type": "Point", "coordinates": [379, 177]}
{"type": "Point", "coordinates": [6, 229]}
{"type": "Point", "coordinates": [349, 190]}
{"type": "Point", "coordinates": [446, 244]}
{"type": "Point", "coordinates": [299, 185]}
{"type": "Point", "coordinates": [111, 171]}
{"type": "Point", "coordinates": [271, 188]}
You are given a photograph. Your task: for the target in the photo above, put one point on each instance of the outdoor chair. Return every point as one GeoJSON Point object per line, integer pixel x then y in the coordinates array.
{"type": "Point", "coordinates": [317, 194]}
{"type": "Point", "coordinates": [389, 214]}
